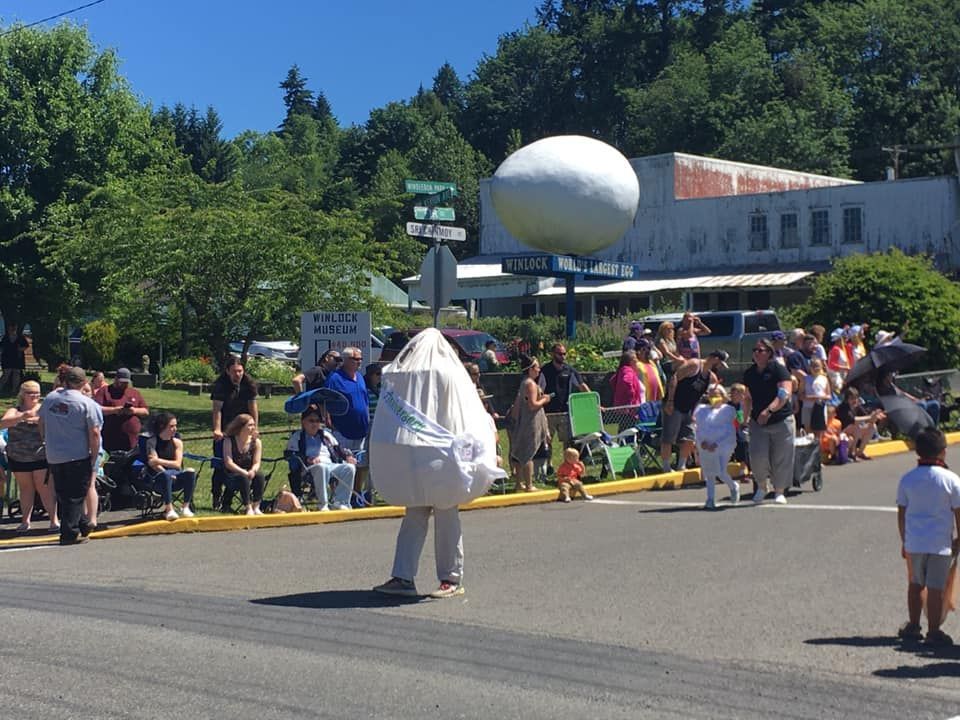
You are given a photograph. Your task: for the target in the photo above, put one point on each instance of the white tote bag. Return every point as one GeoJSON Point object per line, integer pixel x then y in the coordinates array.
{"type": "Point", "coordinates": [432, 442]}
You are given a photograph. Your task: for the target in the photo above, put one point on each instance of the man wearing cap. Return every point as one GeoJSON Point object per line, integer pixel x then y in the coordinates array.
{"type": "Point", "coordinates": [70, 427]}
{"type": "Point", "coordinates": [687, 385]}
{"type": "Point", "coordinates": [636, 332]}
{"type": "Point", "coordinates": [123, 406]}
{"type": "Point", "coordinates": [780, 350]}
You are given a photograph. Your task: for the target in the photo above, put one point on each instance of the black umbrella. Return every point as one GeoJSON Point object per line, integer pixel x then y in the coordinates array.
{"type": "Point", "coordinates": [884, 359]}
{"type": "Point", "coordinates": [905, 415]}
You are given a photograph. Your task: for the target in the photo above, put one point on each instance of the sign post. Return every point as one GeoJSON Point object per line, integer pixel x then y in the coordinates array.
{"type": "Point", "coordinates": [439, 268]}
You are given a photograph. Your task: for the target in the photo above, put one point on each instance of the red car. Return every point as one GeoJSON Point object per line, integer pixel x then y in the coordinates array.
{"type": "Point", "coordinates": [469, 344]}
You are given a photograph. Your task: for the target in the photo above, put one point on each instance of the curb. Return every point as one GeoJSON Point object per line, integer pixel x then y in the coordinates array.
{"type": "Point", "coordinates": [220, 523]}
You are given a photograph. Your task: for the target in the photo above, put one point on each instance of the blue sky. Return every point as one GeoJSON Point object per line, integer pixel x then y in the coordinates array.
{"type": "Point", "coordinates": [232, 55]}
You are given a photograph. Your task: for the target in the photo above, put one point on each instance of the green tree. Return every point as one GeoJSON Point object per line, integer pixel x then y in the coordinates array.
{"type": "Point", "coordinates": [198, 137]}
{"type": "Point", "coordinates": [67, 123]}
{"type": "Point", "coordinates": [896, 292]}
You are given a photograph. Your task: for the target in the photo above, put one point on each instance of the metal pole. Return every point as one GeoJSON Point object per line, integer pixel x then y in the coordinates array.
{"type": "Point", "coordinates": [571, 282]}
{"type": "Point", "coordinates": [436, 281]}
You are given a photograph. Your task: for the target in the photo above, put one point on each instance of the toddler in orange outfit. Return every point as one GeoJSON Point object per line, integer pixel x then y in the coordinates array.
{"type": "Point", "coordinates": [569, 474]}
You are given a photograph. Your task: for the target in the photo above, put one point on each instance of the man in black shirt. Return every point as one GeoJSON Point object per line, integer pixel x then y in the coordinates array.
{"type": "Point", "coordinates": [13, 348]}
{"type": "Point", "coordinates": [233, 393]}
{"type": "Point", "coordinates": [316, 377]}
{"type": "Point", "coordinates": [560, 379]}
{"type": "Point", "coordinates": [687, 385]}
{"type": "Point", "coordinates": [772, 427]}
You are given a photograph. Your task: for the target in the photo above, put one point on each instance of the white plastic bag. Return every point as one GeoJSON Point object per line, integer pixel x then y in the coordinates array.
{"type": "Point", "coordinates": [431, 443]}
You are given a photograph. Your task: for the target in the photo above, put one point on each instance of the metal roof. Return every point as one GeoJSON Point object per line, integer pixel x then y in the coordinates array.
{"type": "Point", "coordinates": [702, 282]}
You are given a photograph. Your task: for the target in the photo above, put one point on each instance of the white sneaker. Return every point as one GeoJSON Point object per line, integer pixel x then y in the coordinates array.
{"type": "Point", "coordinates": [587, 497]}
{"type": "Point", "coordinates": [186, 511]}
{"type": "Point", "coordinates": [779, 499]}
{"type": "Point", "coordinates": [735, 496]}
{"type": "Point", "coordinates": [340, 506]}
{"type": "Point", "coordinates": [323, 508]}
{"type": "Point", "coordinates": [171, 515]}
{"type": "Point", "coordinates": [759, 495]}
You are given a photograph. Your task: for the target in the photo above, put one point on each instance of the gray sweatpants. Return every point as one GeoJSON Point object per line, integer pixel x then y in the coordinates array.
{"type": "Point", "coordinates": [771, 453]}
{"type": "Point", "coordinates": [447, 543]}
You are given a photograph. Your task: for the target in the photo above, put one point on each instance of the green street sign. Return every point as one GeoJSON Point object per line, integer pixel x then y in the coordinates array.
{"type": "Point", "coordinates": [428, 187]}
{"type": "Point", "coordinates": [440, 197]}
{"type": "Point", "coordinates": [434, 213]}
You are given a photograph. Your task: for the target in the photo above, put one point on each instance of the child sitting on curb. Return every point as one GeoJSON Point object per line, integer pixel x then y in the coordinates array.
{"type": "Point", "coordinates": [928, 509]}
{"type": "Point", "coordinates": [569, 474]}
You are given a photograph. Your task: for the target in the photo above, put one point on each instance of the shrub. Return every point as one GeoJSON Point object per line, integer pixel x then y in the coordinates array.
{"type": "Point", "coordinates": [275, 371]}
{"type": "Point", "coordinates": [189, 370]}
{"type": "Point", "coordinates": [99, 343]}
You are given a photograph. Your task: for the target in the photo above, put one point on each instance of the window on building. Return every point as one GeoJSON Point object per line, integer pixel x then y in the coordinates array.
{"type": "Point", "coordinates": [608, 307]}
{"type": "Point", "coordinates": [820, 227]}
{"type": "Point", "coordinates": [852, 225]}
{"type": "Point", "coordinates": [758, 299]}
{"type": "Point", "coordinates": [759, 238]}
{"type": "Point", "coordinates": [528, 310]}
{"type": "Point", "coordinates": [728, 300]}
{"type": "Point", "coordinates": [639, 303]}
{"type": "Point", "coordinates": [701, 302]}
{"type": "Point", "coordinates": [577, 310]}
{"type": "Point", "coordinates": [789, 231]}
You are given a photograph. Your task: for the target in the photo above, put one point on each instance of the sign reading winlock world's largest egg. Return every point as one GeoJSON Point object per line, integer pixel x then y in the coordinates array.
{"type": "Point", "coordinates": [567, 194]}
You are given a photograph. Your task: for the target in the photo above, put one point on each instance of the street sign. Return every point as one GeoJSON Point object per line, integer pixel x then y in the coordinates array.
{"type": "Point", "coordinates": [438, 277]}
{"type": "Point", "coordinates": [439, 197]}
{"type": "Point", "coordinates": [434, 213]}
{"type": "Point", "coordinates": [436, 232]}
{"type": "Point", "coordinates": [428, 187]}
{"type": "Point", "coordinates": [561, 265]}
{"type": "Point", "coordinates": [321, 331]}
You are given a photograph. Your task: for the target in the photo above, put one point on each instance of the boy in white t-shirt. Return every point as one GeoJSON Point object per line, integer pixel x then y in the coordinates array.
{"type": "Point", "coordinates": [928, 510]}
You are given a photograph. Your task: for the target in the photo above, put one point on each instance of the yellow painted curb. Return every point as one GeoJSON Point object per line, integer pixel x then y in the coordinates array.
{"type": "Point", "coordinates": [219, 523]}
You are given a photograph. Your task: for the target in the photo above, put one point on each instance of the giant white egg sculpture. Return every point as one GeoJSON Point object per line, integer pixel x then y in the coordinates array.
{"type": "Point", "coordinates": [566, 194]}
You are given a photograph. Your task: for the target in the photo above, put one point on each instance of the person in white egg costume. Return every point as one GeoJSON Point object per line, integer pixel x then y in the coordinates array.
{"type": "Point", "coordinates": [428, 454]}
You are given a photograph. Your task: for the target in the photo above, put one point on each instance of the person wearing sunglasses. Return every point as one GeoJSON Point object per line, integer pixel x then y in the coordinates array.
{"type": "Point", "coordinates": [316, 377]}
{"type": "Point", "coordinates": [559, 379]}
{"type": "Point", "coordinates": [351, 428]}
{"type": "Point", "coordinates": [772, 425]}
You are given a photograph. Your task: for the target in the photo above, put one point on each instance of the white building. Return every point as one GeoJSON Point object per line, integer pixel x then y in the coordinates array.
{"type": "Point", "coordinates": [715, 234]}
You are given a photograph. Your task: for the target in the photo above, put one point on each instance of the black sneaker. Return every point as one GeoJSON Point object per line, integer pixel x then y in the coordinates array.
{"type": "Point", "coordinates": [78, 540]}
{"type": "Point", "coordinates": [938, 638]}
{"type": "Point", "coordinates": [911, 632]}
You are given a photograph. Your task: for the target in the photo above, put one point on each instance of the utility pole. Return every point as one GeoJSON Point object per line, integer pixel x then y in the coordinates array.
{"type": "Point", "coordinates": [897, 150]}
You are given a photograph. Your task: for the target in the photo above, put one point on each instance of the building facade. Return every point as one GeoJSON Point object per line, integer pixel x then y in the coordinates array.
{"type": "Point", "coordinates": [714, 234]}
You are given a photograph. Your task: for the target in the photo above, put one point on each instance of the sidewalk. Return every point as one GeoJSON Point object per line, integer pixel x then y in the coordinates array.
{"type": "Point", "coordinates": [218, 523]}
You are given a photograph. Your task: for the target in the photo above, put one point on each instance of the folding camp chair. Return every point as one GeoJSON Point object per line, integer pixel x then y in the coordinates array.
{"type": "Point", "coordinates": [590, 435]}
{"type": "Point", "coordinates": [649, 427]}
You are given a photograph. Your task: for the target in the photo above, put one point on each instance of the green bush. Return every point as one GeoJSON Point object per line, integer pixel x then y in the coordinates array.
{"type": "Point", "coordinates": [189, 370]}
{"type": "Point", "coordinates": [99, 344]}
{"type": "Point", "coordinates": [275, 371]}
{"type": "Point", "coordinates": [894, 292]}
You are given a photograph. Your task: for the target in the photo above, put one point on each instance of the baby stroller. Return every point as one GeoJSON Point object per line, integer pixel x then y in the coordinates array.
{"type": "Point", "coordinates": [807, 466]}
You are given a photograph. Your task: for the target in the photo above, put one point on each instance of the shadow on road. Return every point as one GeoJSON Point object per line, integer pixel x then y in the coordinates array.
{"type": "Point", "coordinates": [856, 641]}
{"type": "Point", "coordinates": [338, 599]}
{"type": "Point", "coordinates": [933, 670]}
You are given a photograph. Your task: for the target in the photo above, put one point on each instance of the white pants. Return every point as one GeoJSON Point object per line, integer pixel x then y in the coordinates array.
{"type": "Point", "coordinates": [447, 543]}
{"type": "Point", "coordinates": [713, 465]}
{"type": "Point", "coordinates": [320, 475]}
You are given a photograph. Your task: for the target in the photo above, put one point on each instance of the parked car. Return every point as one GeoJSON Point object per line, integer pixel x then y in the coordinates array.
{"type": "Point", "coordinates": [469, 344]}
{"type": "Point", "coordinates": [731, 330]}
{"type": "Point", "coordinates": [269, 349]}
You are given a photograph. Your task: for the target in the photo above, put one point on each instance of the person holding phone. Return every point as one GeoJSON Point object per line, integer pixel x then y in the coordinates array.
{"type": "Point", "coordinates": [122, 406]}
{"type": "Point", "coordinates": [529, 430]}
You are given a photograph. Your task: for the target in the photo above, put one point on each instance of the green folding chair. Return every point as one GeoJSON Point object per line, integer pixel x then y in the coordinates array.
{"type": "Point", "coordinates": [623, 460]}
{"type": "Point", "coordinates": [590, 436]}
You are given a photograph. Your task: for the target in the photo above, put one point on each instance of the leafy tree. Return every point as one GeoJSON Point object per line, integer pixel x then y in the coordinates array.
{"type": "Point", "coordinates": [297, 99]}
{"type": "Point", "coordinates": [893, 291]}
{"type": "Point", "coordinates": [67, 123]}
{"type": "Point", "coordinates": [449, 90]}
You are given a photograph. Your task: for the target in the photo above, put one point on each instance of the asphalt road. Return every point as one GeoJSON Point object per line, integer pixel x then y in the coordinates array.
{"type": "Point", "coordinates": [619, 608]}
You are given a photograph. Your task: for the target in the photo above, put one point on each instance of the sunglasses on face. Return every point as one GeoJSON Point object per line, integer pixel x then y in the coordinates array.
{"type": "Point", "coordinates": [761, 349]}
